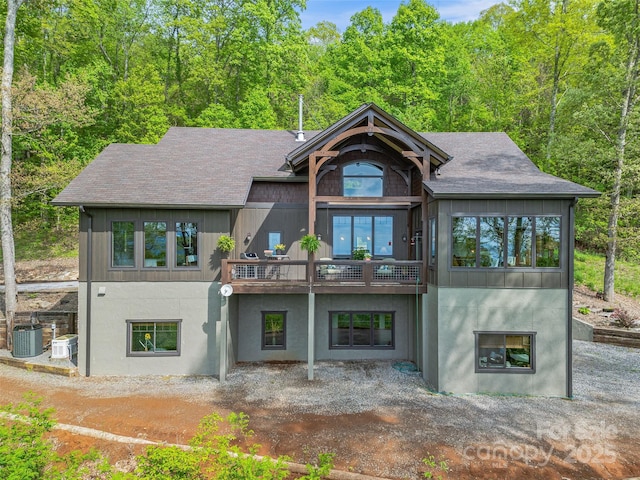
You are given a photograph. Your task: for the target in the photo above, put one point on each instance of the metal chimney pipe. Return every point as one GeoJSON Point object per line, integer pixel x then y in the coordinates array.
{"type": "Point", "coordinates": [300, 136]}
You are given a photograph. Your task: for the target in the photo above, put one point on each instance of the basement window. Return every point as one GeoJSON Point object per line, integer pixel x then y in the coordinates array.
{"type": "Point", "coordinates": [361, 330]}
{"type": "Point", "coordinates": [505, 352]}
{"type": "Point", "coordinates": [153, 338]}
{"type": "Point", "coordinates": [274, 335]}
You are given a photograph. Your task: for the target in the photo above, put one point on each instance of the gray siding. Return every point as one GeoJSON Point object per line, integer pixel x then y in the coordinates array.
{"type": "Point", "coordinates": [461, 311]}
{"type": "Point", "coordinates": [445, 276]}
{"type": "Point", "coordinates": [211, 224]}
{"type": "Point", "coordinates": [249, 318]}
{"type": "Point", "coordinates": [196, 304]}
{"type": "Point", "coordinates": [260, 219]}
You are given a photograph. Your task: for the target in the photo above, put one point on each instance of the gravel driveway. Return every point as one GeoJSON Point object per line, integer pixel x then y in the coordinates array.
{"type": "Point", "coordinates": [380, 421]}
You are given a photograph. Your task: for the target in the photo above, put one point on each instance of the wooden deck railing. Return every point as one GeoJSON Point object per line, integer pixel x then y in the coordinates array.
{"type": "Point", "coordinates": [342, 272]}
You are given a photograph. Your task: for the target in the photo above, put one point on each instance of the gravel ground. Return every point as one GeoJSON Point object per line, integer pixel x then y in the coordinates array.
{"type": "Point", "coordinates": [595, 432]}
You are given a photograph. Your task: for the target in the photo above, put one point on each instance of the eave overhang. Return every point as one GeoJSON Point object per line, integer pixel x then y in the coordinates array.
{"type": "Point", "coordinates": [367, 121]}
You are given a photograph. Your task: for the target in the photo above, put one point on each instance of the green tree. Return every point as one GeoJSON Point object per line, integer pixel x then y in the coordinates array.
{"type": "Point", "coordinates": [622, 19]}
{"type": "Point", "coordinates": [6, 162]}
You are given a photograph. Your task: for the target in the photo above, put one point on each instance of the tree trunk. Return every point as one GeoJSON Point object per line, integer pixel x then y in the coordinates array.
{"type": "Point", "coordinates": [628, 102]}
{"type": "Point", "coordinates": [6, 197]}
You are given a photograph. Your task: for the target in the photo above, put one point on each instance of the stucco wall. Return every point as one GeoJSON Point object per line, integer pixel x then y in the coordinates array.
{"type": "Point", "coordinates": [461, 311]}
{"type": "Point", "coordinates": [197, 304]}
{"type": "Point", "coordinates": [249, 319]}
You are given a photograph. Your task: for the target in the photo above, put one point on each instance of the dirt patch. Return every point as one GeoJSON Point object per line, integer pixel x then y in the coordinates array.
{"type": "Point", "coordinates": [588, 306]}
{"type": "Point", "coordinates": [381, 425]}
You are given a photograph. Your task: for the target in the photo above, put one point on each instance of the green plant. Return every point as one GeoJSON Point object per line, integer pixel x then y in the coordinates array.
{"type": "Point", "coordinates": [584, 310]}
{"type": "Point", "coordinates": [280, 246]}
{"type": "Point", "coordinates": [435, 466]}
{"type": "Point", "coordinates": [23, 451]}
{"type": "Point", "coordinates": [360, 254]}
{"type": "Point", "coordinates": [310, 243]}
{"type": "Point", "coordinates": [226, 243]}
{"type": "Point", "coordinates": [322, 468]}
{"type": "Point", "coordinates": [623, 318]}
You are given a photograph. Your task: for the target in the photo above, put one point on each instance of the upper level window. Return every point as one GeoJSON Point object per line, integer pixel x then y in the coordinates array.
{"type": "Point", "coordinates": [499, 242]}
{"type": "Point", "coordinates": [186, 244]}
{"type": "Point", "coordinates": [155, 244]}
{"type": "Point", "coordinates": [122, 244]}
{"type": "Point", "coordinates": [362, 179]}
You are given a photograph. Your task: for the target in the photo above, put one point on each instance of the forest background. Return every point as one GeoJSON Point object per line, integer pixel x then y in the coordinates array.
{"type": "Point", "coordinates": [552, 74]}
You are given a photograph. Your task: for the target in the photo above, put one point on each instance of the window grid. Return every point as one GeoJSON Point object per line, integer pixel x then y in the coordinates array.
{"type": "Point", "coordinates": [361, 330]}
{"type": "Point", "coordinates": [492, 241]}
{"type": "Point", "coordinates": [153, 338]}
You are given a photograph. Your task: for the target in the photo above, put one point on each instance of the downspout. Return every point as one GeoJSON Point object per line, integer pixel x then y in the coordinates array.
{"type": "Point", "coordinates": [89, 275]}
{"type": "Point", "coordinates": [570, 270]}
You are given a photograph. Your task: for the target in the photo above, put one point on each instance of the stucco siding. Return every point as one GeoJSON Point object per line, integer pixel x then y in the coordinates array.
{"type": "Point", "coordinates": [249, 320]}
{"type": "Point", "coordinates": [196, 304]}
{"type": "Point", "coordinates": [462, 311]}
{"type": "Point", "coordinates": [405, 326]}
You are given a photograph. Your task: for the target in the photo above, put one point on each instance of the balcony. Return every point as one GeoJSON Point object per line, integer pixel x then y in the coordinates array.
{"type": "Point", "coordinates": [335, 276]}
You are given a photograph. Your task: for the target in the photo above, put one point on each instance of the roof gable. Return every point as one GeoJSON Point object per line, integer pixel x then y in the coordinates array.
{"type": "Point", "coordinates": [368, 120]}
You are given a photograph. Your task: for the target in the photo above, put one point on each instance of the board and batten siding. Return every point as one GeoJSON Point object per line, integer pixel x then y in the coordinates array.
{"type": "Point", "coordinates": [258, 219]}
{"type": "Point", "coordinates": [446, 276]}
{"type": "Point", "coordinates": [211, 224]}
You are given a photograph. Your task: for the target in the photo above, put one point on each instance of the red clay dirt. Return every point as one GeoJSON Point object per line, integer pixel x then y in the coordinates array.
{"type": "Point", "coordinates": [352, 437]}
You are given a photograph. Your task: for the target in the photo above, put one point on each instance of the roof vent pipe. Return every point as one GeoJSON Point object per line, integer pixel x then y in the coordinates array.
{"type": "Point", "coordinates": [300, 135]}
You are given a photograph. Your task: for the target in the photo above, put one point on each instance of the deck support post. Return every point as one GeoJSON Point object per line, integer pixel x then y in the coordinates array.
{"type": "Point", "coordinates": [311, 335]}
{"type": "Point", "coordinates": [224, 322]}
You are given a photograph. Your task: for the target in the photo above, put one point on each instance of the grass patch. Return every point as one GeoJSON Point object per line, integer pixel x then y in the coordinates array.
{"type": "Point", "coordinates": [589, 271]}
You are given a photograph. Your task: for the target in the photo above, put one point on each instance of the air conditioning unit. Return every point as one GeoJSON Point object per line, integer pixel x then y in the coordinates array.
{"type": "Point", "coordinates": [64, 346]}
{"type": "Point", "coordinates": [27, 340]}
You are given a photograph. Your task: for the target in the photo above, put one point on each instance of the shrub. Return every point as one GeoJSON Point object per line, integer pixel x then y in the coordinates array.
{"type": "Point", "coordinates": [623, 318]}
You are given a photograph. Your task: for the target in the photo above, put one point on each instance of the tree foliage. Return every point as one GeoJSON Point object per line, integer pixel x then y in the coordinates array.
{"type": "Point", "coordinates": [548, 72]}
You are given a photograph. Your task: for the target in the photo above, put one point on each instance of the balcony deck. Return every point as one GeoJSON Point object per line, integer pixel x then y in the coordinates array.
{"type": "Point", "coordinates": [335, 276]}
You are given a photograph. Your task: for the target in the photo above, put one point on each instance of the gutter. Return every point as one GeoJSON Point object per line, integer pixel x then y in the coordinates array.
{"type": "Point", "coordinates": [89, 275]}
{"type": "Point", "coordinates": [570, 270]}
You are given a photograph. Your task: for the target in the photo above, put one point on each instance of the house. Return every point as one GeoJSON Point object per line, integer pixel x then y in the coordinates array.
{"type": "Point", "coordinates": [470, 276]}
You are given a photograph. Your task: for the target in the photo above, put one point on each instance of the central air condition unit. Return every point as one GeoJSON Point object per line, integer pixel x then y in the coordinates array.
{"type": "Point", "coordinates": [27, 340]}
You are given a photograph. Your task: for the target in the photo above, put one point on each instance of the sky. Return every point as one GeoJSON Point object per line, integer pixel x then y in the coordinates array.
{"type": "Point", "coordinates": [340, 11]}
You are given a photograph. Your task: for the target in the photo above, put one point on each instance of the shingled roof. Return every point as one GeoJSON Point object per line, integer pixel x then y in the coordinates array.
{"type": "Point", "coordinates": [490, 165]}
{"type": "Point", "coordinates": [189, 167]}
{"type": "Point", "coordinates": [214, 168]}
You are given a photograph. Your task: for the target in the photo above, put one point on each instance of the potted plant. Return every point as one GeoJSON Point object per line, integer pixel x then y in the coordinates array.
{"type": "Point", "coordinates": [226, 243]}
{"type": "Point", "coordinates": [310, 243]}
{"type": "Point", "coordinates": [280, 248]}
{"type": "Point", "coordinates": [360, 254]}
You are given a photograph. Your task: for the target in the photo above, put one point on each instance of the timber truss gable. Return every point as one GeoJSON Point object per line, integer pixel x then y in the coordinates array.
{"type": "Point", "coordinates": [371, 133]}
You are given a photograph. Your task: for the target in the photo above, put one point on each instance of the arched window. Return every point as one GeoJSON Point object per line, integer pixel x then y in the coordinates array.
{"type": "Point", "coordinates": [362, 179]}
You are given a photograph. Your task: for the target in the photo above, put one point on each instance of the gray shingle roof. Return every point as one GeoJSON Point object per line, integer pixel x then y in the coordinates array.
{"type": "Point", "coordinates": [189, 167]}
{"type": "Point", "coordinates": [209, 168]}
{"type": "Point", "coordinates": [491, 165]}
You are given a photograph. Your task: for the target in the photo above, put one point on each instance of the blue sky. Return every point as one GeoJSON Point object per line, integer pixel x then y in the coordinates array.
{"type": "Point", "coordinates": [340, 11]}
